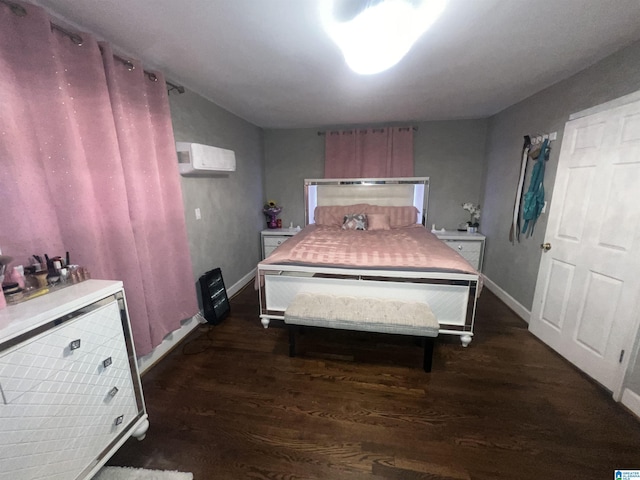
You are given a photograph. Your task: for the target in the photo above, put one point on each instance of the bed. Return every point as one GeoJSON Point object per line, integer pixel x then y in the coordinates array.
{"type": "Point", "coordinates": [396, 259]}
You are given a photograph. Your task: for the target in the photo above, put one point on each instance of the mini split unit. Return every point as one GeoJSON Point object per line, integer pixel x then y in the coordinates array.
{"type": "Point", "coordinates": [195, 160]}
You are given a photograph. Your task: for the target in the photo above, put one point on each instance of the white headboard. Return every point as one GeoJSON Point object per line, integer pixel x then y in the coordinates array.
{"type": "Point", "coordinates": [396, 192]}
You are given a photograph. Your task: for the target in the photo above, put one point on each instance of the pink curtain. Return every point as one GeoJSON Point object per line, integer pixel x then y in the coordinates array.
{"type": "Point", "coordinates": [88, 166]}
{"type": "Point", "coordinates": [370, 153]}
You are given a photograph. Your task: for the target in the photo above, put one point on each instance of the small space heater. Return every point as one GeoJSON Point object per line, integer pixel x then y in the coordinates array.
{"type": "Point", "coordinates": [215, 302]}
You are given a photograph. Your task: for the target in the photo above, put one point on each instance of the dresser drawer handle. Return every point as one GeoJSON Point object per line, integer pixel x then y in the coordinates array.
{"type": "Point", "coordinates": [459, 247]}
{"type": "Point", "coordinates": [113, 392]}
{"type": "Point", "coordinates": [279, 242]}
{"type": "Point", "coordinates": [119, 420]}
{"type": "Point", "coordinates": [107, 362]}
{"type": "Point", "coordinates": [74, 345]}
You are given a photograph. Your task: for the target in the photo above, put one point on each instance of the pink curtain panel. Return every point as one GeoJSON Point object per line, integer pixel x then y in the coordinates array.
{"type": "Point", "coordinates": [369, 153]}
{"type": "Point", "coordinates": [88, 166]}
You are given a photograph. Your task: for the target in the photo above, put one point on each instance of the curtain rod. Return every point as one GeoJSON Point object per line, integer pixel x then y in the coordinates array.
{"type": "Point", "coordinates": [150, 75]}
{"type": "Point", "coordinates": [415, 129]}
{"type": "Point", "coordinates": [76, 38]}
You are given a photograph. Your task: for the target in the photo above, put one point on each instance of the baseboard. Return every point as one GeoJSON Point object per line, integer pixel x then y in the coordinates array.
{"type": "Point", "coordinates": [511, 302]}
{"type": "Point", "coordinates": [631, 400]}
{"type": "Point", "coordinates": [172, 340]}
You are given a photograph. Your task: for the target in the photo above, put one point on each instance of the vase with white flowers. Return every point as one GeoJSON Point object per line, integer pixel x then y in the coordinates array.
{"type": "Point", "coordinates": [474, 216]}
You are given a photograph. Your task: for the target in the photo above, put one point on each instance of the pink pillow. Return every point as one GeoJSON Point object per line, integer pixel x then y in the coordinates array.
{"type": "Point", "coordinates": [398, 216]}
{"type": "Point", "coordinates": [378, 221]}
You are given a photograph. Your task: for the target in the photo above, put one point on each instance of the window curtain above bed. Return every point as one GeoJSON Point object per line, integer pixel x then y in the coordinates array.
{"type": "Point", "coordinates": [88, 166]}
{"type": "Point", "coordinates": [369, 153]}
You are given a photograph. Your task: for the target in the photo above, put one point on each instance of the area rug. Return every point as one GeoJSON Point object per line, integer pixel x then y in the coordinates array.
{"type": "Point", "coordinates": [126, 473]}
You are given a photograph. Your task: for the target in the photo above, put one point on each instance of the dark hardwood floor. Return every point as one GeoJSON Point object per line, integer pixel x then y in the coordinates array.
{"type": "Point", "coordinates": [359, 406]}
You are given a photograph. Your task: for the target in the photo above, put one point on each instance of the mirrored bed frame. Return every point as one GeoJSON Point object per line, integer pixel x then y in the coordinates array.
{"type": "Point", "coordinates": [452, 296]}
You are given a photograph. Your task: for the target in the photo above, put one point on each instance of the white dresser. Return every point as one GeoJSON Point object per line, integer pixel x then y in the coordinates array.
{"type": "Point", "coordinates": [69, 383]}
{"type": "Point", "coordinates": [469, 245]}
{"type": "Point", "coordinates": [273, 238]}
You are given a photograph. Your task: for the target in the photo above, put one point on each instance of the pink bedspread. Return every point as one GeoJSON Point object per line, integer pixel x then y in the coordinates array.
{"type": "Point", "coordinates": [410, 248]}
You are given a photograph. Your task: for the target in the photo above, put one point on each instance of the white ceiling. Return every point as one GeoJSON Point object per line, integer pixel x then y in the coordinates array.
{"type": "Point", "coordinates": [270, 62]}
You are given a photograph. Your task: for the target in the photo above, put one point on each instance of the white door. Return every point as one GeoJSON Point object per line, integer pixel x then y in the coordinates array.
{"type": "Point", "coordinates": [586, 299]}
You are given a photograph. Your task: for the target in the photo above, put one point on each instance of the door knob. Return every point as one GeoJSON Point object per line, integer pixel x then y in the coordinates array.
{"type": "Point", "coordinates": [545, 246]}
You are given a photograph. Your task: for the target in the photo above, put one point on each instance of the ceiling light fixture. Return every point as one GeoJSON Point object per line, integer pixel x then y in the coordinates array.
{"type": "Point", "coordinates": [382, 33]}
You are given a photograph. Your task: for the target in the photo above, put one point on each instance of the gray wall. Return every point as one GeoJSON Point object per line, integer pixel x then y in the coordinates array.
{"type": "Point", "coordinates": [228, 236]}
{"type": "Point", "coordinates": [450, 153]}
{"type": "Point", "coordinates": [515, 267]}
{"type": "Point", "coordinates": [290, 156]}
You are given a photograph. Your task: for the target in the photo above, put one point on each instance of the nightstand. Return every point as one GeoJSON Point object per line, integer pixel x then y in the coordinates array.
{"type": "Point", "coordinates": [274, 237]}
{"type": "Point", "coordinates": [469, 245]}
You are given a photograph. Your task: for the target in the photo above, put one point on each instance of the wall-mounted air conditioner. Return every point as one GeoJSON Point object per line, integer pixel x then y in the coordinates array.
{"type": "Point", "coordinates": [196, 160]}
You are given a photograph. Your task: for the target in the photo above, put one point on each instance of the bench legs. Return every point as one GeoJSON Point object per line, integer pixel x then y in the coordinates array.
{"type": "Point", "coordinates": [426, 362]}
{"type": "Point", "coordinates": [292, 340]}
{"type": "Point", "coordinates": [428, 353]}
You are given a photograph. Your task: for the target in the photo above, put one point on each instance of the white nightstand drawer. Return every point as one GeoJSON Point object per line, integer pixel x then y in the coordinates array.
{"type": "Point", "coordinates": [273, 241]}
{"type": "Point", "coordinates": [470, 250]}
{"type": "Point", "coordinates": [469, 247]}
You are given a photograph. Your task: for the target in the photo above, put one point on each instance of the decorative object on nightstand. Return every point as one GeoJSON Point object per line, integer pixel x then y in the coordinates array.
{"type": "Point", "coordinates": [271, 211]}
{"type": "Point", "coordinates": [474, 212]}
{"type": "Point", "coordinates": [469, 245]}
{"type": "Point", "coordinates": [272, 238]}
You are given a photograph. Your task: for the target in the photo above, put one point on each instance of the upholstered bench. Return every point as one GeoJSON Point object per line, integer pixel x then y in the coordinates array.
{"type": "Point", "coordinates": [363, 314]}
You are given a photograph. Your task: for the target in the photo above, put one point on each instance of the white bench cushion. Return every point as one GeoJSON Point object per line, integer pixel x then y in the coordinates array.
{"type": "Point", "coordinates": [363, 314]}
